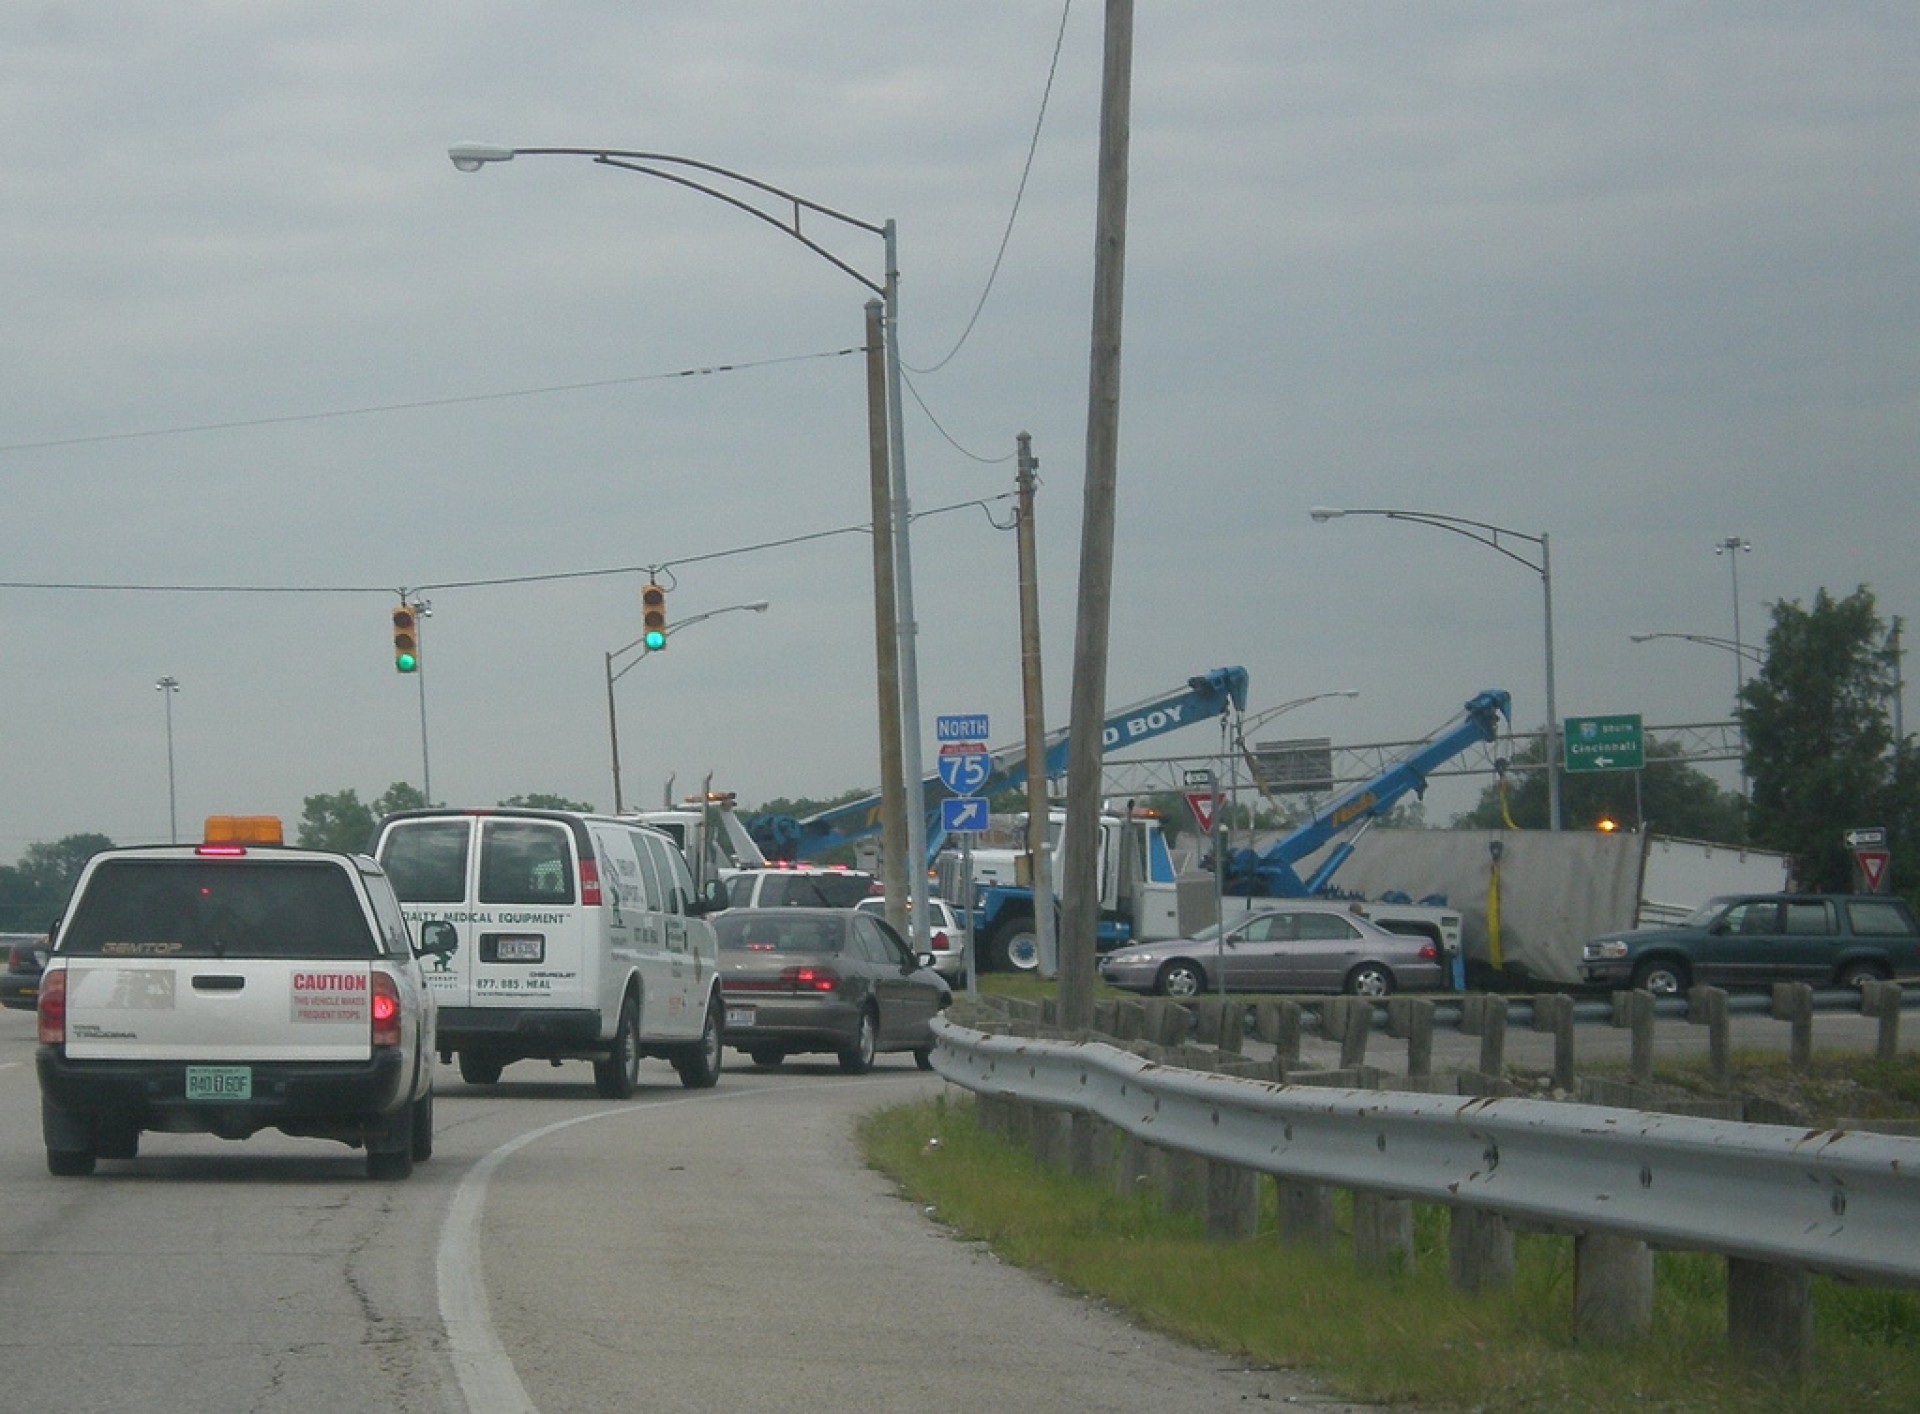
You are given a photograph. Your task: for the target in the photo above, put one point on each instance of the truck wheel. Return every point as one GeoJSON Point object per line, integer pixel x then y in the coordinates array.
{"type": "Point", "coordinates": [393, 1159]}
{"type": "Point", "coordinates": [479, 1068]}
{"type": "Point", "coordinates": [1016, 948]}
{"type": "Point", "coordinates": [70, 1141]}
{"type": "Point", "coordinates": [616, 1075]}
{"type": "Point", "coordinates": [423, 1128]}
{"type": "Point", "coordinates": [1180, 979]}
{"type": "Point", "coordinates": [700, 1067]}
{"type": "Point", "coordinates": [1661, 976]}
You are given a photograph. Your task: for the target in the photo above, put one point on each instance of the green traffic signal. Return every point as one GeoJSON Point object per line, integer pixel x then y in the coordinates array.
{"type": "Point", "coordinates": [406, 642]}
{"type": "Point", "coordinates": [653, 617]}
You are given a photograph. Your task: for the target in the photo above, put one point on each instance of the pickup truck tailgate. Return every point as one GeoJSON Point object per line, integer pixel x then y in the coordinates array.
{"type": "Point", "coordinates": [218, 1010]}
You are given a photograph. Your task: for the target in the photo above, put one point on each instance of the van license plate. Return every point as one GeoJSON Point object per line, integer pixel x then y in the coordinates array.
{"type": "Point", "coordinates": [739, 1016]}
{"type": "Point", "coordinates": [219, 1082]}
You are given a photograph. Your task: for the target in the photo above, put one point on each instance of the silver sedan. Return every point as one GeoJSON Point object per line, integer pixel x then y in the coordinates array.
{"type": "Point", "coordinates": [1302, 946]}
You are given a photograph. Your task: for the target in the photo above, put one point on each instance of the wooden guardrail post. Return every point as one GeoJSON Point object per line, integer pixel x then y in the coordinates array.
{"type": "Point", "coordinates": [1484, 1014]}
{"type": "Point", "coordinates": [1382, 1233]}
{"type": "Point", "coordinates": [1411, 1019]}
{"type": "Point", "coordinates": [1707, 1006]}
{"type": "Point", "coordinates": [1553, 1012]}
{"type": "Point", "coordinates": [1306, 1212]}
{"type": "Point", "coordinates": [1770, 1315]}
{"type": "Point", "coordinates": [1479, 1249]}
{"type": "Point", "coordinates": [1882, 1001]}
{"type": "Point", "coordinates": [1089, 1146]}
{"type": "Point", "coordinates": [1348, 1021]}
{"type": "Point", "coordinates": [1634, 1012]}
{"type": "Point", "coordinates": [1612, 1285]}
{"type": "Point", "coordinates": [1793, 1004]}
{"type": "Point", "coordinates": [1279, 1024]}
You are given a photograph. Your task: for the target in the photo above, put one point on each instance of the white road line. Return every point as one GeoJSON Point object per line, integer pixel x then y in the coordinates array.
{"type": "Point", "coordinates": [488, 1382]}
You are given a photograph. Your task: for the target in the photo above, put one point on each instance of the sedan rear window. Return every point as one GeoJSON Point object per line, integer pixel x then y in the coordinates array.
{"type": "Point", "coordinates": [757, 932]}
{"type": "Point", "coordinates": [175, 908]}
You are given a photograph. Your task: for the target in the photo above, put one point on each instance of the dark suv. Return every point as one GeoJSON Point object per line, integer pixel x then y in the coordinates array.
{"type": "Point", "coordinates": [1759, 939]}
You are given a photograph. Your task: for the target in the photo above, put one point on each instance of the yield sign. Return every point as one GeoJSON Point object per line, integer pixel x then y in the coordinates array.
{"type": "Point", "coordinates": [1873, 867]}
{"type": "Point", "coordinates": [1203, 804]}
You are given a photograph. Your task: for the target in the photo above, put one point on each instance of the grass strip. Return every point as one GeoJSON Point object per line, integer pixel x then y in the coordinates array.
{"type": "Point", "coordinates": [1408, 1338]}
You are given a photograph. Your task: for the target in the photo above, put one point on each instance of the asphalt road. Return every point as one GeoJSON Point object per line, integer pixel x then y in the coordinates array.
{"type": "Point", "coordinates": [720, 1249]}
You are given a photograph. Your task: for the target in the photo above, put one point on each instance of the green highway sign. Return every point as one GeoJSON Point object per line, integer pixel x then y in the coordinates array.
{"type": "Point", "coordinates": [1603, 744]}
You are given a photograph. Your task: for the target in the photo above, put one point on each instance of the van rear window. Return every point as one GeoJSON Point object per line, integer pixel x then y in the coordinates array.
{"type": "Point", "coordinates": [181, 908]}
{"type": "Point", "coordinates": [525, 861]}
{"type": "Point", "coordinates": [426, 860]}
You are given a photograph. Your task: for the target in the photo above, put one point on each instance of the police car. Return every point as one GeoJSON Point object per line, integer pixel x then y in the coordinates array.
{"type": "Point", "coordinates": [234, 986]}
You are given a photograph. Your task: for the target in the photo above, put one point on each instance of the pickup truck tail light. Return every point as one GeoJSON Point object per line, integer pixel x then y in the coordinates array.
{"type": "Point", "coordinates": [52, 1008]}
{"type": "Point", "coordinates": [387, 1030]}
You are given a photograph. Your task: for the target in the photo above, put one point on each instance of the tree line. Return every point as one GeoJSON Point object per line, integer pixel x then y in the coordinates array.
{"type": "Point", "coordinates": [1825, 754]}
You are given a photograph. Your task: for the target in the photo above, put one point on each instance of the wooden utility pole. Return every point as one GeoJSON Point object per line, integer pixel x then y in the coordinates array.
{"type": "Point", "coordinates": [886, 643]}
{"type": "Point", "coordinates": [1087, 715]}
{"type": "Point", "coordinates": [1039, 842]}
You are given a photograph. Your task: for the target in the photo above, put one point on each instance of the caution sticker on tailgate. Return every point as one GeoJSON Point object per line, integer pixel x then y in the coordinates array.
{"type": "Point", "coordinates": [324, 997]}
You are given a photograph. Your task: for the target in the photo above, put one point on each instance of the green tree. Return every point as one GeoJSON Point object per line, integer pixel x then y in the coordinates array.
{"type": "Point", "coordinates": [399, 796]}
{"type": "Point", "coordinates": [33, 892]}
{"type": "Point", "coordinates": [537, 801]}
{"type": "Point", "coordinates": [1670, 796]}
{"type": "Point", "coordinates": [1819, 741]}
{"type": "Point", "coordinates": [337, 822]}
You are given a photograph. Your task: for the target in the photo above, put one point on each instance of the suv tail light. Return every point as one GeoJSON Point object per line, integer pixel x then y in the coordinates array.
{"type": "Point", "coordinates": [590, 882]}
{"type": "Point", "coordinates": [387, 1030]}
{"type": "Point", "coordinates": [52, 1008]}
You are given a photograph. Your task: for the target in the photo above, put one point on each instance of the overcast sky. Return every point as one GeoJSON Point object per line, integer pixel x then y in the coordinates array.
{"type": "Point", "coordinates": [1640, 277]}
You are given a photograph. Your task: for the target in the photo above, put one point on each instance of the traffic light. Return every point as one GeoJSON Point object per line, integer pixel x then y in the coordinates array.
{"type": "Point", "coordinates": [653, 617]}
{"type": "Point", "coordinates": [406, 641]}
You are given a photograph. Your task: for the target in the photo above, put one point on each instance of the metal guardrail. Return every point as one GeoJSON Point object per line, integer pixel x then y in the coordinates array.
{"type": "Point", "coordinates": [1836, 1201]}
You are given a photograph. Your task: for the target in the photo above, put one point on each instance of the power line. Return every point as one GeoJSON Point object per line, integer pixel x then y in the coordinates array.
{"type": "Point", "coordinates": [858, 528]}
{"type": "Point", "coordinates": [417, 404]}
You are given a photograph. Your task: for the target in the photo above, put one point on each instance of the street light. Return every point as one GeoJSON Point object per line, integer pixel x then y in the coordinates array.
{"type": "Point", "coordinates": [1743, 654]}
{"type": "Point", "coordinates": [758, 606]}
{"type": "Point", "coordinates": [1492, 537]}
{"type": "Point", "coordinates": [687, 172]}
{"type": "Point", "coordinates": [1746, 651]}
{"type": "Point", "coordinates": [167, 687]}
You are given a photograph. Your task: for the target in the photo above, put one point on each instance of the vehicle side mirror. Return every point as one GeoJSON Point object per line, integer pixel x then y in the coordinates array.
{"type": "Point", "coordinates": [711, 898]}
{"type": "Point", "coordinates": [438, 938]}
{"type": "Point", "coordinates": [923, 959]}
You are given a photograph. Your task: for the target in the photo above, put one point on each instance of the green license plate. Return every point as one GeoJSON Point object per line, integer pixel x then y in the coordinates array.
{"type": "Point", "coordinates": [219, 1082]}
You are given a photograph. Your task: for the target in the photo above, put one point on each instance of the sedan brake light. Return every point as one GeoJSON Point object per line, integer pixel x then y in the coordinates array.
{"type": "Point", "coordinates": [940, 943]}
{"type": "Point", "coordinates": [1429, 953]}
{"type": "Point", "coordinates": [810, 979]}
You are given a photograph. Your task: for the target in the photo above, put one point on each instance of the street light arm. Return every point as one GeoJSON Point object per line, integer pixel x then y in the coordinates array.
{"type": "Point", "coordinates": [758, 606]}
{"type": "Point", "coordinates": [1259, 719]}
{"type": "Point", "coordinates": [1745, 650]}
{"type": "Point", "coordinates": [472, 156]}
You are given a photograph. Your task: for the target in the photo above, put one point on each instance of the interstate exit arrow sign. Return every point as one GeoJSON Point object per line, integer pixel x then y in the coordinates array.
{"type": "Point", "coordinates": [1603, 744]}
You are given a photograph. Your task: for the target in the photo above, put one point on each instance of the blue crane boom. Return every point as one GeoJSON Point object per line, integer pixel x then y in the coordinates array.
{"type": "Point", "coordinates": [1205, 695]}
{"type": "Point", "coordinates": [1271, 873]}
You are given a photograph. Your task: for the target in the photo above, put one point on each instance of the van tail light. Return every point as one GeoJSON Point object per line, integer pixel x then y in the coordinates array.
{"type": "Point", "coordinates": [810, 979]}
{"type": "Point", "coordinates": [590, 882]}
{"type": "Point", "coordinates": [52, 1008]}
{"type": "Point", "coordinates": [387, 1030]}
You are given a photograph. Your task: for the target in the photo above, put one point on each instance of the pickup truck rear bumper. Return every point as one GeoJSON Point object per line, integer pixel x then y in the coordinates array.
{"type": "Point", "coordinates": [306, 1096]}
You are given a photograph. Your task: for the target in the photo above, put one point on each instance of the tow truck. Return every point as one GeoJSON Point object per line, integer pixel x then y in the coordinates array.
{"type": "Point", "coordinates": [1138, 887]}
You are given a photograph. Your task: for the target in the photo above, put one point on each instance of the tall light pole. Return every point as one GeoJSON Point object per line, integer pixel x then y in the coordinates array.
{"type": "Point", "coordinates": [1260, 719]}
{"type": "Point", "coordinates": [1733, 547]}
{"type": "Point", "coordinates": [757, 606]}
{"type": "Point", "coordinates": [789, 211]}
{"type": "Point", "coordinates": [1743, 654]}
{"type": "Point", "coordinates": [1497, 538]}
{"type": "Point", "coordinates": [167, 687]}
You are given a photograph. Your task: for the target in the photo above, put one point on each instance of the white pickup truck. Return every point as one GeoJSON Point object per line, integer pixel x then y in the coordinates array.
{"type": "Point", "coordinates": [233, 986]}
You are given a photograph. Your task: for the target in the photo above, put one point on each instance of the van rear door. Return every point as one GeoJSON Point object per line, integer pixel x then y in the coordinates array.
{"type": "Point", "coordinates": [429, 861]}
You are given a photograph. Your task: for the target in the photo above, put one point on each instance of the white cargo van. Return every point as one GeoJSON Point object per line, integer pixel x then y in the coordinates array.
{"type": "Point", "coordinates": [581, 938]}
